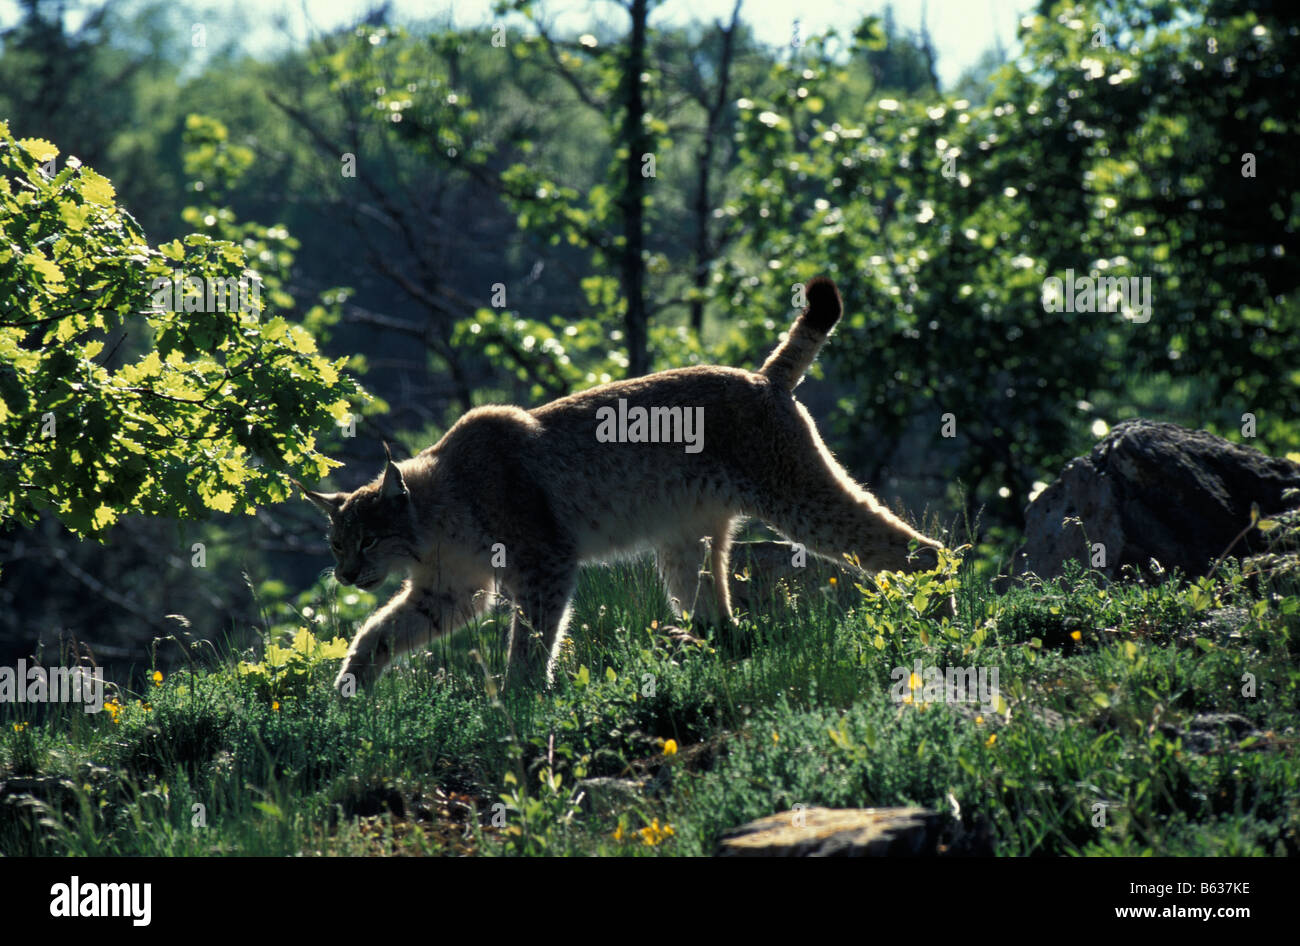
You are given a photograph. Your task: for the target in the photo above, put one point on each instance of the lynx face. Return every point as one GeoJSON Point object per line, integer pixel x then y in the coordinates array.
{"type": "Point", "coordinates": [372, 530]}
{"type": "Point", "coordinates": [366, 547]}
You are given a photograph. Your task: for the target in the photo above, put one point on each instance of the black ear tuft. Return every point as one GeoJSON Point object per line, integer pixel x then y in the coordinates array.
{"type": "Point", "coordinates": [393, 485]}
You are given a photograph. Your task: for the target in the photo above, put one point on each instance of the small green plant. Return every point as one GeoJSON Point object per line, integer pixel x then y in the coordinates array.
{"type": "Point", "coordinates": [901, 605]}
{"type": "Point", "coordinates": [539, 820]}
{"type": "Point", "coordinates": [25, 756]}
{"type": "Point", "coordinates": [287, 671]}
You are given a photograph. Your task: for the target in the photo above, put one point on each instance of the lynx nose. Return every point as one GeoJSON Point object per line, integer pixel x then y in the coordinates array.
{"type": "Point", "coordinates": [346, 578]}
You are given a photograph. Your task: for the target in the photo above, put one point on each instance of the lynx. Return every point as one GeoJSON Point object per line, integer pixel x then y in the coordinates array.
{"type": "Point", "coordinates": [515, 500]}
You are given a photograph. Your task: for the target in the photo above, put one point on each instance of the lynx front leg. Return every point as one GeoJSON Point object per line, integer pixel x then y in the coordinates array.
{"type": "Point", "coordinates": [414, 616]}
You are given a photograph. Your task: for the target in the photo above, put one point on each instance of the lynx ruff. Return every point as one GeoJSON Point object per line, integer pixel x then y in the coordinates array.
{"type": "Point", "coordinates": [512, 501]}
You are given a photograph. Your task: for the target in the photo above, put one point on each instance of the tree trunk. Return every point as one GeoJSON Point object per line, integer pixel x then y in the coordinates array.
{"type": "Point", "coordinates": [633, 196]}
{"type": "Point", "coordinates": [703, 202]}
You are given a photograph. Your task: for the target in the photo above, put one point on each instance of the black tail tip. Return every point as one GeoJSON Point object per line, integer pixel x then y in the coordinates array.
{"type": "Point", "coordinates": [824, 305]}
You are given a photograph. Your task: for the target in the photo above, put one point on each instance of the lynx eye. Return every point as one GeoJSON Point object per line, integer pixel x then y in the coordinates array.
{"type": "Point", "coordinates": [369, 544]}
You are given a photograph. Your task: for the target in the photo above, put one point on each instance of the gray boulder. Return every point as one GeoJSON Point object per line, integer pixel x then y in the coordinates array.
{"type": "Point", "coordinates": [1151, 490]}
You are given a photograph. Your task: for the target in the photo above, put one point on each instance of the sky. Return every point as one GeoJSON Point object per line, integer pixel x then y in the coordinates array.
{"type": "Point", "coordinates": [961, 30]}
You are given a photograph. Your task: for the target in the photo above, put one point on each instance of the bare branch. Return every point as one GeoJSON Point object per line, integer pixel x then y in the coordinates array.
{"type": "Point", "coordinates": [552, 50]}
{"type": "Point", "coordinates": [102, 590]}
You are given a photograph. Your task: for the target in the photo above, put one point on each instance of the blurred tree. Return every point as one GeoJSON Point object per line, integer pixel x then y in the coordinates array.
{"type": "Point", "coordinates": [47, 72]}
{"type": "Point", "coordinates": [105, 90]}
{"type": "Point", "coordinates": [900, 61]}
{"type": "Point", "coordinates": [1117, 147]}
{"type": "Point", "coordinates": [719, 117]}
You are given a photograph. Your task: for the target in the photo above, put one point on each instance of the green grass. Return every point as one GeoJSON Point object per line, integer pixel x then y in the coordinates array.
{"type": "Point", "coordinates": [1097, 684]}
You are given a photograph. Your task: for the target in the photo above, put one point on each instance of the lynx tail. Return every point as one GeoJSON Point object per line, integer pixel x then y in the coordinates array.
{"type": "Point", "coordinates": [787, 364]}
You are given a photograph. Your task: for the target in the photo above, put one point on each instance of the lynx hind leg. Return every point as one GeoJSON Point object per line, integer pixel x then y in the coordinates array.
{"type": "Point", "coordinates": [690, 590]}
{"type": "Point", "coordinates": [720, 568]}
{"type": "Point", "coordinates": [834, 522]}
{"type": "Point", "coordinates": [678, 562]}
{"type": "Point", "coordinates": [413, 617]}
{"type": "Point", "coordinates": [822, 507]}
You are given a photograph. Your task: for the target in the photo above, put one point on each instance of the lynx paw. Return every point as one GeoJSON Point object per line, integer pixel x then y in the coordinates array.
{"type": "Point", "coordinates": [360, 669]}
{"type": "Point", "coordinates": [679, 635]}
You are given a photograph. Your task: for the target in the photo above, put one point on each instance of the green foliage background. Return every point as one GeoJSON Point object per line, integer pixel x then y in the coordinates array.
{"type": "Point", "coordinates": [188, 426]}
{"type": "Point", "coordinates": [385, 180]}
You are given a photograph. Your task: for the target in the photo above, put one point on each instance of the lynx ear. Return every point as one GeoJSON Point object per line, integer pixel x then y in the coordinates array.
{"type": "Point", "coordinates": [393, 485]}
{"type": "Point", "coordinates": [328, 503]}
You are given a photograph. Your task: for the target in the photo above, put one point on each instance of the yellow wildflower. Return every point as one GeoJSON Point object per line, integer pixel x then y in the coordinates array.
{"type": "Point", "coordinates": [670, 747]}
{"type": "Point", "coordinates": [654, 833]}
{"type": "Point", "coordinates": [157, 678]}
{"type": "Point", "coordinates": [1076, 636]}
{"type": "Point", "coordinates": [993, 737]}
{"type": "Point", "coordinates": [275, 706]}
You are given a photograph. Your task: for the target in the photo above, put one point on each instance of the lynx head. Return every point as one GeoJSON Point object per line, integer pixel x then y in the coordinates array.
{"type": "Point", "coordinates": [372, 529]}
